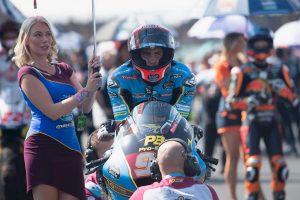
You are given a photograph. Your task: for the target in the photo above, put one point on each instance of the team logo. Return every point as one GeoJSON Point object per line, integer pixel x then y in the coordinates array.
{"type": "Point", "coordinates": [118, 189]}
{"type": "Point", "coordinates": [148, 91]}
{"type": "Point", "coordinates": [112, 84]}
{"type": "Point", "coordinates": [189, 94]}
{"type": "Point", "coordinates": [114, 171]}
{"type": "Point", "coordinates": [67, 117]}
{"type": "Point", "coordinates": [150, 128]}
{"type": "Point", "coordinates": [153, 77]}
{"type": "Point", "coordinates": [138, 95]}
{"type": "Point", "coordinates": [112, 95]}
{"type": "Point", "coordinates": [128, 77]}
{"type": "Point", "coordinates": [190, 81]}
{"type": "Point", "coordinates": [168, 85]}
{"type": "Point", "coordinates": [166, 95]}
{"type": "Point", "coordinates": [176, 76]}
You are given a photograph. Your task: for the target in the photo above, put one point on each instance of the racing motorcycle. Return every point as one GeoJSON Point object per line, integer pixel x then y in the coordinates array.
{"type": "Point", "coordinates": [126, 166]}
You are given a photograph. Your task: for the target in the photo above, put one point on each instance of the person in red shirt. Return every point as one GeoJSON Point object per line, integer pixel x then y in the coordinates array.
{"type": "Point", "coordinates": [176, 166]}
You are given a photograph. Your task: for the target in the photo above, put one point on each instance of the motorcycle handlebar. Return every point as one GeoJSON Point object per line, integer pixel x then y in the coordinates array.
{"type": "Point", "coordinates": [208, 159]}
{"type": "Point", "coordinates": [96, 164]}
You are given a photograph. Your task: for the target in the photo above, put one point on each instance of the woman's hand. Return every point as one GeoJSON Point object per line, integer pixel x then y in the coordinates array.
{"type": "Point", "coordinates": [94, 76]}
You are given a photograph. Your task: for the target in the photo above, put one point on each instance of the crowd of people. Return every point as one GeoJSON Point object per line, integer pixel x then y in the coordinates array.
{"type": "Point", "coordinates": [49, 99]}
{"type": "Point", "coordinates": [13, 119]}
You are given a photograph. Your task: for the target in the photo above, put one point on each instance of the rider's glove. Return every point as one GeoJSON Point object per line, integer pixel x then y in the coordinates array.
{"type": "Point", "coordinates": [252, 102]}
{"type": "Point", "coordinates": [107, 127]}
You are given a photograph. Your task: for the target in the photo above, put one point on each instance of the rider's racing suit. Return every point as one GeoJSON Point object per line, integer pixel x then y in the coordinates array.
{"type": "Point", "coordinates": [127, 89]}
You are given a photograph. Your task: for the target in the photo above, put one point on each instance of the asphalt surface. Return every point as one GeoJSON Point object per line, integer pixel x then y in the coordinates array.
{"type": "Point", "coordinates": [292, 186]}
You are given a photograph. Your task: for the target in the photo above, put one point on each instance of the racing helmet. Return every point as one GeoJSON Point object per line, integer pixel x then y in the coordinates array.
{"type": "Point", "coordinates": [260, 33]}
{"type": "Point", "coordinates": [151, 36]}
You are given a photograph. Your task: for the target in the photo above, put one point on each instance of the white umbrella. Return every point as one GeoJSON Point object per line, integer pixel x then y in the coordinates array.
{"type": "Point", "coordinates": [250, 7]}
{"type": "Point", "coordinates": [70, 41]}
{"type": "Point", "coordinates": [120, 28]}
{"type": "Point", "coordinates": [64, 11]}
{"type": "Point", "coordinates": [287, 35]}
{"type": "Point", "coordinates": [217, 27]}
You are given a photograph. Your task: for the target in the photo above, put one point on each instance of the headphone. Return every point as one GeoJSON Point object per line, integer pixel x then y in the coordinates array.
{"type": "Point", "coordinates": [191, 165]}
{"type": "Point", "coordinates": [90, 153]}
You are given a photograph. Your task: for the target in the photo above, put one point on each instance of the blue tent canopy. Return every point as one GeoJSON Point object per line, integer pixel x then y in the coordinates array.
{"type": "Point", "coordinates": [10, 11]}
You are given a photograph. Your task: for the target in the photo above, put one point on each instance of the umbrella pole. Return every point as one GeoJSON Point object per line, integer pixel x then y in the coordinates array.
{"type": "Point", "coordinates": [34, 4]}
{"type": "Point", "coordinates": [94, 27]}
{"type": "Point", "coordinates": [95, 69]}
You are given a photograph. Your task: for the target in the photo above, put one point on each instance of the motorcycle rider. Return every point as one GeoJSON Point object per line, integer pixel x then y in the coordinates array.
{"type": "Point", "coordinates": [175, 165]}
{"type": "Point", "coordinates": [151, 74]}
{"type": "Point", "coordinates": [253, 88]}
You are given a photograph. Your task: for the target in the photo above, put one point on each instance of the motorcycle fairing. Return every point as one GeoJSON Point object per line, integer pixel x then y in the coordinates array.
{"type": "Point", "coordinates": [138, 138]}
{"type": "Point", "coordinates": [117, 177]}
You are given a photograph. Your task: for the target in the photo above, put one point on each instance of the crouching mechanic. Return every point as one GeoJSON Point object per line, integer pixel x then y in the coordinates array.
{"type": "Point", "coordinates": [99, 142]}
{"type": "Point", "coordinates": [174, 167]}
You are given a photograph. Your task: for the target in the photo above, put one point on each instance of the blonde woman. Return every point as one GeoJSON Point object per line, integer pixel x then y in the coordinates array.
{"type": "Point", "coordinates": [229, 121]}
{"type": "Point", "coordinates": [53, 158]}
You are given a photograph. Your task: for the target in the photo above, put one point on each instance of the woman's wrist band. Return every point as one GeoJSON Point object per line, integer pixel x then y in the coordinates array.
{"type": "Point", "coordinates": [82, 95]}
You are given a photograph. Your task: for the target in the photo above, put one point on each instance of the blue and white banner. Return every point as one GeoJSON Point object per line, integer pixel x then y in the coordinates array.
{"type": "Point", "coordinates": [8, 9]}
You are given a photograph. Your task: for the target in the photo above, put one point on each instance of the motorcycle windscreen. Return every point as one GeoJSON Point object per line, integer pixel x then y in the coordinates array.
{"type": "Point", "coordinates": [140, 135]}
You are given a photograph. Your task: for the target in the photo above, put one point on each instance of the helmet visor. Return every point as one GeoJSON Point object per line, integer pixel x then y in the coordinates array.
{"type": "Point", "coordinates": [151, 37]}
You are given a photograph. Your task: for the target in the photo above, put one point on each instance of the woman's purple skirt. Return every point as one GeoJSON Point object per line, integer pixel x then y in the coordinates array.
{"type": "Point", "coordinates": [49, 162]}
